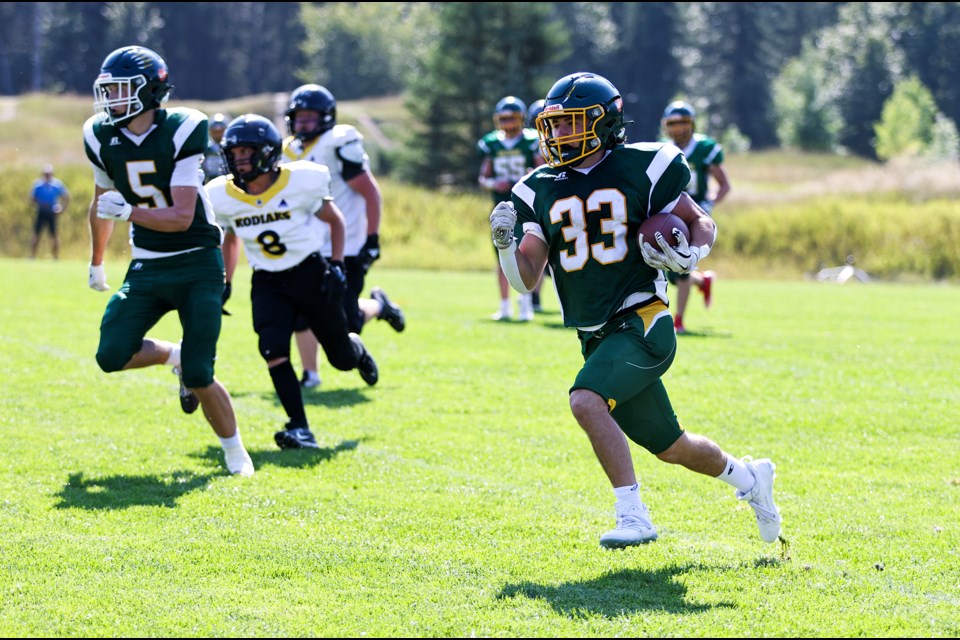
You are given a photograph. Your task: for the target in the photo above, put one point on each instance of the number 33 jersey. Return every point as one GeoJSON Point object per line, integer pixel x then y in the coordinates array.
{"type": "Point", "coordinates": [278, 227]}
{"type": "Point", "coordinates": [589, 220]}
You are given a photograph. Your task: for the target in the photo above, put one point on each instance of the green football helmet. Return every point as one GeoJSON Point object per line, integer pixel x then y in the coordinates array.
{"type": "Point", "coordinates": [595, 108]}
{"type": "Point", "coordinates": [535, 109]}
{"type": "Point", "coordinates": [509, 114]}
{"type": "Point", "coordinates": [678, 121]}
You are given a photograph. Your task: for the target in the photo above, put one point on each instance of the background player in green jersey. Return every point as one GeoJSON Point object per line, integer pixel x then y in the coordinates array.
{"type": "Point", "coordinates": [508, 153]}
{"type": "Point", "coordinates": [214, 164]}
{"type": "Point", "coordinates": [581, 216]}
{"type": "Point", "coordinates": [146, 169]}
{"type": "Point", "coordinates": [532, 112]}
{"type": "Point", "coordinates": [705, 157]}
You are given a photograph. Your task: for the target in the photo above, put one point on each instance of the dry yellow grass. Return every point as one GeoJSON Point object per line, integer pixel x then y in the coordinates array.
{"type": "Point", "coordinates": [780, 221]}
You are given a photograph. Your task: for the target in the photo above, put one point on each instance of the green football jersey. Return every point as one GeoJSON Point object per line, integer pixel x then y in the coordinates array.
{"type": "Point", "coordinates": [142, 173]}
{"type": "Point", "coordinates": [510, 159]}
{"type": "Point", "coordinates": [590, 221]}
{"type": "Point", "coordinates": [701, 152]}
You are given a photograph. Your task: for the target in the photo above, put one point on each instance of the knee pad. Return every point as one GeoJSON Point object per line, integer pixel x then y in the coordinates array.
{"type": "Point", "coordinates": [274, 344]}
{"type": "Point", "coordinates": [113, 356]}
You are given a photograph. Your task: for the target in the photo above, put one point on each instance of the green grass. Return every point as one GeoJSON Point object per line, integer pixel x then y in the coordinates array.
{"type": "Point", "coordinates": [458, 497]}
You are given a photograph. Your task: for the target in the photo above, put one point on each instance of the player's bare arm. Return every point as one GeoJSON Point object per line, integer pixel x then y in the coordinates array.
{"type": "Point", "coordinates": [367, 187]}
{"type": "Point", "coordinates": [100, 229]}
{"type": "Point", "coordinates": [703, 230]}
{"type": "Point", "coordinates": [531, 258]}
{"type": "Point", "coordinates": [723, 183]}
{"type": "Point", "coordinates": [231, 253]}
{"type": "Point", "coordinates": [331, 214]}
{"type": "Point", "coordinates": [169, 219]}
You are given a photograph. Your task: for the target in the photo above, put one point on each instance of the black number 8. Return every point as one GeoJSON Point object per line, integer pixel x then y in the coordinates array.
{"type": "Point", "coordinates": [271, 244]}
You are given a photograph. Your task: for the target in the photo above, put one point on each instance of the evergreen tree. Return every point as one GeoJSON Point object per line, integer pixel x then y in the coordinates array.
{"type": "Point", "coordinates": [928, 33]}
{"type": "Point", "coordinates": [16, 46]}
{"type": "Point", "coordinates": [482, 53]}
{"type": "Point", "coordinates": [807, 118]}
{"type": "Point", "coordinates": [364, 49]}
{"type": "Point", "coordinates": [648, 33]}
{"type": "Point", "coordinates": [860, 66]}
{"type": "Point", "coordinates": [71, 52]}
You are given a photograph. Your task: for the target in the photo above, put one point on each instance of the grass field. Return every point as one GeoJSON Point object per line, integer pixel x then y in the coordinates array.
{"type": "Point", "coordinates": [459, 498]}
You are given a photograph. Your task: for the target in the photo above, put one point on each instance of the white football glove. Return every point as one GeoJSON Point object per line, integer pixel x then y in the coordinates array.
{"type": "Point", "coordinates": [112, 206]}
{"type": "Point", "coordinates": [682, 259]}
{"type": "Point", "coordinates": [98, 278]}
{"type": "Point", "coordinates": [503, 219]}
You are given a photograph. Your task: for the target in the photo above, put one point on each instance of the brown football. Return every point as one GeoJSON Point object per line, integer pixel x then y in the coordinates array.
{"type": "Point", "coordinates": [665, 223]}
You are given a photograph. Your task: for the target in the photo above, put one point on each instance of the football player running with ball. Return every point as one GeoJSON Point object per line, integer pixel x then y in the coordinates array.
{"type": "Point", "coordinates": [146, 169]}
{"type": "Point", "coordinates": [273, 210]}
{"type": "Point", "coordinates": [581, 215]}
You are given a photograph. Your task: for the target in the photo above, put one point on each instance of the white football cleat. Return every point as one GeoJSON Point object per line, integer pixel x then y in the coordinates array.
{"type": "Point", "coordinates": [633, 527]}
{"type": "Point", "coordinates": [760, 497]}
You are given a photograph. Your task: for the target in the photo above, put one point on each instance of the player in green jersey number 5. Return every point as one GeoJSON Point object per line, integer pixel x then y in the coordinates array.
{"type": "Point", "coordinates": [146, 170]}
{"type": "Point", "coordinates": [581, 214]}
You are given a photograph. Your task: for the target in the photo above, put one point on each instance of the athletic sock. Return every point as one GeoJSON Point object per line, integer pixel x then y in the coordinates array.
{"type": "Point", "coordinates": [736, 474]}
{"type": "Point", "coordinates": [233, 442]}
{"type": "Point", "coordinates": [173, 359]}
{"type": "Point", "coordinates": [629, 493]}
{"type": "Point", "coordinates": [288, 390]}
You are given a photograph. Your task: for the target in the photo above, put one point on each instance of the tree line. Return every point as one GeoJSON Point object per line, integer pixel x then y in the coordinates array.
{"type": "Point", "coordinates": [810, 75]}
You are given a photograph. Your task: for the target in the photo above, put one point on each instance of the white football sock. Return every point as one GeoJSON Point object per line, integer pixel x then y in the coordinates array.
{"type": "Point", "coordinates": [736, 474]}
{"type": "Point", "coordinates": [236, 457]}
{"type": "Point", "coordinates": [628, 494]}
{"type": "Point", "coordinates": [233, 442]}
{"type": "Point", "coordinates": [174, 359]}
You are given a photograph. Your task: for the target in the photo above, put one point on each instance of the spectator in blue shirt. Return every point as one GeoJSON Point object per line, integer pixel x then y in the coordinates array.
{"type": "Point", "coordinates": [50, 196]}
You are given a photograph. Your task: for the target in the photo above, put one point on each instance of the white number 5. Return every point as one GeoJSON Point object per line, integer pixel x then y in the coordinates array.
{"type": "Point", "coordinates": [145, 191]}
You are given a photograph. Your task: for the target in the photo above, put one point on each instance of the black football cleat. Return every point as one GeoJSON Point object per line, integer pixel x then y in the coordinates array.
{"type": "Point", "coordinates": [367, 366]}
{"type": "Point", "coordinates": [389, 311]}
{"type": "Point", "coordinates": [188, 399]}
{"type": "Point", "coordinates": [296, 438]}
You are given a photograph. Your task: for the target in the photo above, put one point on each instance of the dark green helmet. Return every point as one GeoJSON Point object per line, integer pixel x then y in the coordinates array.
{"type": "Point", "coordinates": [596, 109]}
{"type": "Point", "coordinates": [135, 79]}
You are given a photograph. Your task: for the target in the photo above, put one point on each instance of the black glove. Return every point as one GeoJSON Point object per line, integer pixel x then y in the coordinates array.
{"type": "Point", "coordinates": [369, 252]}
{"type": "Point", "coordinates": [227, 290]}
{"type": "Point", "coordinates": [334, 282]}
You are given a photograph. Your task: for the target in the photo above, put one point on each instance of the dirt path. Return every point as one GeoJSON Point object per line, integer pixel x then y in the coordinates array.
{"type": "Point", "coordinates": [8, 109]}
